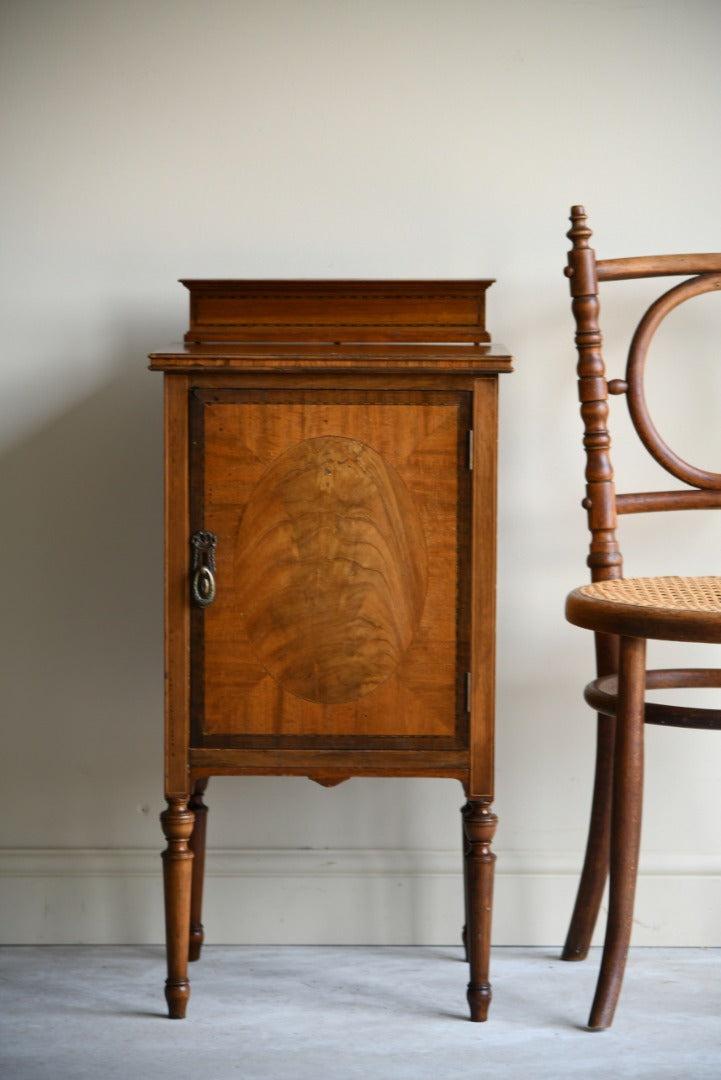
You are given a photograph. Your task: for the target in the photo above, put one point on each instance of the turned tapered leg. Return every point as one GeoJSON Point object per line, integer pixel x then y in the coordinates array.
{"type": "Point", "coordinates": [625, 828]}
{"type": "Point", "coordinates": [479, 824]}
{"type": "Point", "coordinates": [464, 932]}
{"type": "Point", "coordinates": [197, 846]}
{"type": "Point", "coordinates": [595, 866]}
{"type": "Point", "coordinates": [177, 823]}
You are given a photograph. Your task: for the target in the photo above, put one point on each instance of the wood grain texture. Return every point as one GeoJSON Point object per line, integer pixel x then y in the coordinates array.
{"type": "Point", "coordinates": [331, 569]}
{"type": "Point", "coordinates": [376, 564]}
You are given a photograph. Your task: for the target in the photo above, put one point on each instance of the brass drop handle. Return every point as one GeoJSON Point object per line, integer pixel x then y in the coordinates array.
{"type": "Point", "coordinates": [203, 579]}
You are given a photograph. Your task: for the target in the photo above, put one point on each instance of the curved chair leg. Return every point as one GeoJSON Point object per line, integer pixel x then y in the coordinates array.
{"type": "Point", "coordinates": [197, 846]}
{"type": "Point", "coordinates": [595, 866]}
{"type": "Point", "coordinates": [625, 828]}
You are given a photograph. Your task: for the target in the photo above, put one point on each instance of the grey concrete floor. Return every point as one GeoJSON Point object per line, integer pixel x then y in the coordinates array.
{"type": "Point", "coordinates": [90, 1013]}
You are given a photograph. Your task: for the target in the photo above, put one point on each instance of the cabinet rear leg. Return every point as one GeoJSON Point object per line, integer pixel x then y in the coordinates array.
{"type": "Point", "coordinates": [177, 822]}
{"type": "Point", "coordinates": [464, 932]}
{"type": "Point", "coordinates": [197, 846]}
{"type": "Point", "coordinates": [479, 824]}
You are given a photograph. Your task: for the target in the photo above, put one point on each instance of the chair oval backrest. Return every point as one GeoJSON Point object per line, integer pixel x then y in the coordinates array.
{"type": "Point", "coordinates": [635, 368]}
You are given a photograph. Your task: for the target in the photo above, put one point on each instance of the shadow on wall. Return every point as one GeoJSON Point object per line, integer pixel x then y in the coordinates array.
{"type": "Point", "coordinates": [82, 653]}
{"type": "Point", "coordinates": [82, 603]}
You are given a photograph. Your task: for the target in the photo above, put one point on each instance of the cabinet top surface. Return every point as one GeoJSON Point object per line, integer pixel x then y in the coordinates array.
{"type": "Point", "coordinates": [485, 359]}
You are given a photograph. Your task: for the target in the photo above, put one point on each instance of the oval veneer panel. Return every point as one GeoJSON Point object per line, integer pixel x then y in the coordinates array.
{"type": "Point", "coordinates": [331, 569]}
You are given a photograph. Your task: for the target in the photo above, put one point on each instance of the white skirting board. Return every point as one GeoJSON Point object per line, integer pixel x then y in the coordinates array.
{"type": "Point", "coordinates": [351, 896]}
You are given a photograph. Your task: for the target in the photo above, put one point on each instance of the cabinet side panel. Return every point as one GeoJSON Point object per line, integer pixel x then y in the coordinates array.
{"type": "Point", "coordinates": [177, 629]}
{"type": "Point", "coordinates": [483, 587]}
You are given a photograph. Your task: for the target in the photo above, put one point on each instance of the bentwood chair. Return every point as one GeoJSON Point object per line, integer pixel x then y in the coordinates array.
{"type": "Point", "coordinates": [624, 612]}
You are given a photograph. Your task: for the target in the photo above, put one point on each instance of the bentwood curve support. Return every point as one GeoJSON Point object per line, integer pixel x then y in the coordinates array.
{"type": "Point", "coordinates": [623, 612]}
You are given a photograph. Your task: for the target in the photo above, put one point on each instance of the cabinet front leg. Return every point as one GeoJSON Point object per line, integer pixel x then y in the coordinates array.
{"type": "Point", "coordinates": [479, 828]}
{"type": "Point", "coordinates": [177, 822]}
{"type": "Point", "coordinates": [197, 846]}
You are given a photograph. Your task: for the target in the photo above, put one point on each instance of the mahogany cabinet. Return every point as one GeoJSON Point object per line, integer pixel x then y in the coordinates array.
{"type": "Point", "coordinates": [330, 454]}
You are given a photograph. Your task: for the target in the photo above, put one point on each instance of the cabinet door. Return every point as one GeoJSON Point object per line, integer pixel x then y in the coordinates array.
{"type": "Point", "coordinates": [341, 616]}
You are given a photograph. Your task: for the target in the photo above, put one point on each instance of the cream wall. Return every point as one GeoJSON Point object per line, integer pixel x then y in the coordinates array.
{"type": "Point", "coordinates": [146, 141]}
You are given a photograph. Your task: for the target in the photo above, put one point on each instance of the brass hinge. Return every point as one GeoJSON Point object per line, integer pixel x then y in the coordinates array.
{"type": "Point", "coordinates": [470, 449]}
{"type": "Point", "coordinates": [468, 691]}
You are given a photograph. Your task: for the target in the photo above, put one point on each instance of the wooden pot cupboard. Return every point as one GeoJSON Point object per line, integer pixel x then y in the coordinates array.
{"type": "Point", "coordinates": [330, 502]}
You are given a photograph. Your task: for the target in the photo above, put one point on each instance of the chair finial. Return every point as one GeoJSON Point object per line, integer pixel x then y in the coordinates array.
{"type": "Point", "coordinates": [579, 234]}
